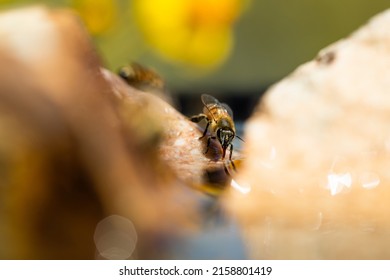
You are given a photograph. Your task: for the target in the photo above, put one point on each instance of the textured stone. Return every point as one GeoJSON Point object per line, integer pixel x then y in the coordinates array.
{"type": "Point", "coordinates": [73, 150]}
{"type": "Point", "coordinates": [318, 155]}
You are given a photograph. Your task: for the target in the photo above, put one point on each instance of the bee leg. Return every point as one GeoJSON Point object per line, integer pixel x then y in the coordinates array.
{"type": "Point", "coordinates": [208, 143]}
{"type": "Point", "coordinates": [234, 166]}
{"type": "Point", "coordinates": [231, 152]}
{"type": "Point", "coordinates": [230, 157]}
{"type": "Point", "coordinates": [199, 118]}
{"type": "Point", "coordinates": [226, 170]}
{"type": "Point", "coordinates": [205, 131]}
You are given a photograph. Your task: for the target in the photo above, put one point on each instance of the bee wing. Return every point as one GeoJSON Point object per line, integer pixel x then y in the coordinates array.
{"type": "Point", "coordinates": [228, 109]}
{"type": "Point", "coordinates": [208, 100]}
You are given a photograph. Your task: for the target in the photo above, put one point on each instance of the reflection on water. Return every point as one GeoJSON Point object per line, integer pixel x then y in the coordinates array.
{"type": "Point", "coordinates": [241, 187]}
{"type": "Point", "coordinates": [369, 180]}
{"type": "Point", "coordinates": [339, 182]}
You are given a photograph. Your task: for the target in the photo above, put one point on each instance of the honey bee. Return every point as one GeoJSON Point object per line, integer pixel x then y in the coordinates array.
{"type": "Point", "coordinates": [219, 118]}
{"type": "Point", "coordinates": [141, 77]}
{"type": "Point", "coordinates": [145, 79]}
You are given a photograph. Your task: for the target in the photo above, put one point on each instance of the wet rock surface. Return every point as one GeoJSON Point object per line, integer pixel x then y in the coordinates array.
{"type": "Point", "coordinates": [317, 155]}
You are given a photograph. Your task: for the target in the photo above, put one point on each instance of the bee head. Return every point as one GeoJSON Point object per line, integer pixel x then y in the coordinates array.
{"type": "Point", "coordinates": [127, 73]}
{"type": "Point", "coordinates": [225, 136]}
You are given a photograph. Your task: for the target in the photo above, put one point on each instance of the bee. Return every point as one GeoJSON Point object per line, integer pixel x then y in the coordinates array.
{"type": "Point", "coordinates": [219, 118]}
{"type": "Point", "coordinates": [141, 77]}
{"type": "Point", "coordinates": [145, 79]}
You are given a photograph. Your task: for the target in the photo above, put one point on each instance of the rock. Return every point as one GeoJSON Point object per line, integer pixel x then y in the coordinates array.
{"type": "Point", "coordinates": [78, 146]}
{"type": "Point", "coordinates": [318, 156]}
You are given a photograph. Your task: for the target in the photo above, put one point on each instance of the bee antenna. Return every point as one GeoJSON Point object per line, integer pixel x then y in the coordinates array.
{"type": "Point", "coordinates": [240, 138]}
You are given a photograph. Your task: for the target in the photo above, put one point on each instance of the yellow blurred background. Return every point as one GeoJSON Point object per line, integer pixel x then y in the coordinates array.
{"type": "Point", "coordinates": [224, 46]}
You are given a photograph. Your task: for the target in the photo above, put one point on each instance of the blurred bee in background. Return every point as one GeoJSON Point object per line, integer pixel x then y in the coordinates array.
{"type": "Point", "coordinates": [140, 76]}
{"type": "Point", "coordinates": [145, 79]}
{"type": "Point", "coordinates": [219, 118]}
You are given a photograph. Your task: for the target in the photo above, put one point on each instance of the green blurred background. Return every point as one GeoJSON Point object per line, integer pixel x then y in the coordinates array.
{"type": "Point", "coordinates": [217, 46]}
